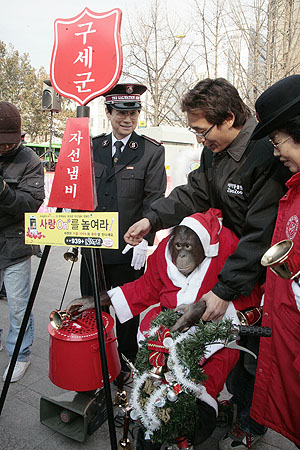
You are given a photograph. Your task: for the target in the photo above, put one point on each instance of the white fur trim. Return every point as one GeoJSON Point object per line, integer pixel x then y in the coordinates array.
{"type": "Point", "coordinates": [140, 337]}
{"type": "Point", "coordinates": [189, 286]}
{"type": "Point", "coordinates": [204, 236]}
{"type": "Point", "coordinates": [207, 398]}
{"type": "Point", "coordinates": [296, 290]}
{"type": "Point", "coordinates": [120, 304]}
{"type": "Point", "coordinates": [229, 314]}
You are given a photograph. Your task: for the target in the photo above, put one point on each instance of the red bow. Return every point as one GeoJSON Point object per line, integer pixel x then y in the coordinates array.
{"type": "Point", "coordinates": [156, 357]}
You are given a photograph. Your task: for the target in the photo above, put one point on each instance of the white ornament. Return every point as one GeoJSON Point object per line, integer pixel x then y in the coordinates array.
{"type": "Point", "coordinates": [148, 435]}
{"type": "Point", "coordinates": [170, 363]}
{"type": "Point", "coordinates": [134, 414]}
{"type": "Point", "coordinates": [168, 342]}
{"type": "Point", "coordinates": [171, 396]}
{"type": "Point", "coordinates": [160, 402]}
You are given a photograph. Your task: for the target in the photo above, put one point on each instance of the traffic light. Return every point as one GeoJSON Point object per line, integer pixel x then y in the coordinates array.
{"type": "Point", "coordinates": [51, 100]}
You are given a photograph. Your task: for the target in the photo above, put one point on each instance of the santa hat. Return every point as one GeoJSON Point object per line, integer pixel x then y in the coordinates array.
{"type": "Point", "coordinates": [207, 226]}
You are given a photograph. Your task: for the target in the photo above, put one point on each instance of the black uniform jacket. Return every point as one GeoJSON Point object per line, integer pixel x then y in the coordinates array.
{"type": "Point", "coordinates": [24, 192]}
{"type": "Point", "coordinates": [246, 182]}
{"type": "Point", "coordinates": [130, 187]}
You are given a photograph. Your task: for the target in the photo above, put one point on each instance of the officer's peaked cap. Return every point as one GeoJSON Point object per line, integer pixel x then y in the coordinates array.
{"type": "Point", "coordinates": [125, 96]}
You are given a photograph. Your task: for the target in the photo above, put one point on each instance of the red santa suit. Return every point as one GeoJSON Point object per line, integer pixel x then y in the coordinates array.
{"type": "Point", "coordinates": [163, 283]}
{"type": "Point", "coordinates": [276, 398]}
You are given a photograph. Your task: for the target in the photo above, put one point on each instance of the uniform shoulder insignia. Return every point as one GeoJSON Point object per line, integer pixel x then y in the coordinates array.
{"type": "Point", "coordinates": [99, 135]}
{"type": "Point", "coordinates": [151, 140]}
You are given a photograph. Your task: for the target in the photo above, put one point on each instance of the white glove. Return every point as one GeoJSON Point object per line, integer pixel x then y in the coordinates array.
{"type": "Point", "coordinates": [296, 290]}
{"type": "Point", "coordinates": [139, 254]}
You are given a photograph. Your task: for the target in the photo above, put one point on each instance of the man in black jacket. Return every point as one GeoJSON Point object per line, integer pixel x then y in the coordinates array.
{"type": "Point", "coordinates": [243, 179]}
{"type": "Point", "coordinates": [21, 190]}
{"type": "Point", "coordinates": [130, 176]}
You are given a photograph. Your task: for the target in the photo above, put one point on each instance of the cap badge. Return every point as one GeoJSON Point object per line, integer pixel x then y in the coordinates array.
{"type": "Point", "coordinates": [129, 89]}
{"type": "Point", "coordinates": [105, 143]}
{"type": "Point", "coordinates": [133, 145]}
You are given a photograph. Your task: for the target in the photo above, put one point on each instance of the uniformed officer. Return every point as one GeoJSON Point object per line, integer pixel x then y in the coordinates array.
{"type": "Point", "coordinates": [130, 176]}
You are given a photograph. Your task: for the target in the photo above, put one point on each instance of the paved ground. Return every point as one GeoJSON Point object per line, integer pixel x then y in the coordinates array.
{"type": "Point", "coordinates": [20, 427]}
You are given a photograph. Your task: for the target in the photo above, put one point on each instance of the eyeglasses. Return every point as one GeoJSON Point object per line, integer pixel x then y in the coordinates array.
{"type": "Point", "coordinates": [279, 143]}
{"type": "Point", "coordinates": [203, 135]}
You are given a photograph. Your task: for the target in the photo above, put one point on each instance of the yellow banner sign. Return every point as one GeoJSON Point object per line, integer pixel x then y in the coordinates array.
{"type": "Point", "coordinates": [80, 229]}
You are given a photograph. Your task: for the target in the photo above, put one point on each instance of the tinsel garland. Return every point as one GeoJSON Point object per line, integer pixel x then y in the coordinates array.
{"type": "Point", "coordinates": [164, 399]}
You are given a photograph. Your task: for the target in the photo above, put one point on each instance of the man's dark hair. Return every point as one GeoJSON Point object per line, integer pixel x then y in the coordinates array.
{"type": "Point", "coordinates": [216, 99]}
{"type": "Point", "coordinates": [292, 128]}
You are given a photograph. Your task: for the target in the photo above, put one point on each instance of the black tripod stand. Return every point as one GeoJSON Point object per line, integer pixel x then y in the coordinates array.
{"type": "Point", "coordinates": [82, 111]}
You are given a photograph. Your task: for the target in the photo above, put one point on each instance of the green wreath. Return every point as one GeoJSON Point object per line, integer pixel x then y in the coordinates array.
{"type": "Point", "coordinates": [164, 392]}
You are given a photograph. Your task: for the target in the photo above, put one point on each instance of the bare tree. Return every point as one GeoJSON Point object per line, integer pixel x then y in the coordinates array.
{"type": "Point", "coordinates": [24, 89]}
{"type": "Point", "coordinates": [283, 57]}
{"type": "Point", "coordinates": [209, 33]}
{"type": "Point", "coordinates": [249, 22]}
{"type": "Point", "coordinates": [258, 37]}
{"type": "Point", "coordinates": [157, 53]}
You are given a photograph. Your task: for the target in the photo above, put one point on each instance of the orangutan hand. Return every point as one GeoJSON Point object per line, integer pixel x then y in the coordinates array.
{"type": "Point", "coordinates": [78, 305]}
{"type": "Point", "coordinates": [105, 299]}
{"type": "Point", "coordinates": [192, 314]}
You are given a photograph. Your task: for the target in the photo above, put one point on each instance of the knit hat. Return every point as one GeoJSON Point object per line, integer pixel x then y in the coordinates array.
{"type": "Point", "coordinates": [207, 226]}
{"type": "Point", "coordinates": [10, 124]}
{"type": "Point", "coordinates": [278, 104]}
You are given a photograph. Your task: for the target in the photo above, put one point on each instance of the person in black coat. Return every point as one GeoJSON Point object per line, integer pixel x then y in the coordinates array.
{"type": "Point", "coordinates": [130, 176]}
{"type": "Point", "coordinates": [21, 191]}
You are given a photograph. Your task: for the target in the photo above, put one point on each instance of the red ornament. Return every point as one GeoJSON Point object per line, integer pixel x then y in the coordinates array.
{"type": "Point", "coordinates": [156, 357]}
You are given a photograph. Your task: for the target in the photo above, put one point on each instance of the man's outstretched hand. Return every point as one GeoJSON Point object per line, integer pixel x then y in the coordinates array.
{"type": "Point", "coordinates": [135, 234]}
{"type": "Point", "coordinates": [215, 307]}
{"type": "Point", "coordinates": [191, 315]}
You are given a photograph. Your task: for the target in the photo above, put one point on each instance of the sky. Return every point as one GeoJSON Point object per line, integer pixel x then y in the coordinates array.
{"type": "Point", "coordinates": [29, 24]}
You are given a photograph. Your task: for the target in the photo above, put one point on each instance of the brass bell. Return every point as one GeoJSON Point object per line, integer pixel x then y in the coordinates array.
{"type": "Point", "coordinates": [121, 399]}
{"type": "Point", "coordinates": [282, 260]}
{"type": "Point", "coordinates": [158, 372]}
{"type": "Point", "coordinates": [59, 319]}
{"type": "Point", "coordinates": [71, 254]}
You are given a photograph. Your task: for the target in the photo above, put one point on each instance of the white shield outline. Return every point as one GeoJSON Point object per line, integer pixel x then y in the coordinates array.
{"type": "Point", "coordinates": [119, 62]}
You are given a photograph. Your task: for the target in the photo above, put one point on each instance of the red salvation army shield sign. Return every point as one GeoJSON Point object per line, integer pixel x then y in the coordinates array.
{"type": "Point", "coordinates": [87, 55]}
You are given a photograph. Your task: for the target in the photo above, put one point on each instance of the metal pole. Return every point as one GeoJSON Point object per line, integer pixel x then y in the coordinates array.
{"type": "Point", "coordinates": [50, 156]}
{"type": "Point", "coordinates": [102, 348]}
{"type": "Point", "coordinates": [84, 111]}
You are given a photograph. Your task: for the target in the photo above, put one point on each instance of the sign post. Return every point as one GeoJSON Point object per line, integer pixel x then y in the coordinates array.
{"type": "Point", "coordinates": [86, 62]}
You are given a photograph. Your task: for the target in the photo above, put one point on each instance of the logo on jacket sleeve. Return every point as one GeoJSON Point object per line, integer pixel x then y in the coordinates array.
{"type": "Point", "coordinates": [292, 227]}
{"type": "Point", "coordinates": [235, 189]}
